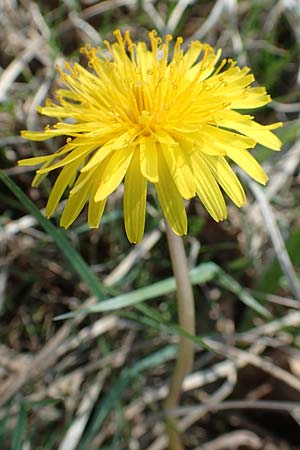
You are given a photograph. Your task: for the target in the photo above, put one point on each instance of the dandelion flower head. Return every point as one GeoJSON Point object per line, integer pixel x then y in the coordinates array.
{"type": "Point", "coordinates": [152, 114]}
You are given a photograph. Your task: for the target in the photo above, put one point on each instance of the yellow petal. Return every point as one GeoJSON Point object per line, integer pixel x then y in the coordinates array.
{"type": "Point", "coordinates": [83, 179]}
{"type": "Point", "coordinates": [97, 158]}
{"type": "Point", "coordinates": [208, 189]}
{"type": "Point", "coordinates": [79, 153]}
{"type": "Point", "coordinates": [96, 209]}
{"type": "Point", "coordinates": [95, 212]}
{"type": "Point", "coordinates": [245, 160]}
{"type": "Point", "coordinates": [47, 158]}
{"type": "Point", "coordinates": [224, 139]}
{"type": "Point", "coordinates": [40, 135]}
{"type": "Point", "coordinates": [165, 138]}
{"type": "Point", "coordinates": [253, 98]}
{"type": "Point", "coordinates": [39, 177]}
{"type": "Point", "coordinates": [114, 172]}
{"type": "Point", "coordinates": [206, 66]}
{"type": "Point", "coordinates": [61, 183]}
{"type": "Point", "coordinates": [246, 125]}
{"type": "Point", "coordinates": [135, 191]}
{"type": "Point", "coordinates": [198, 142]}
{"type": "Point", "coordinates": [37, 160]}
{"type": "Point", "coordinates": [192, 54]}
{"type": "Point", "coordinates": [226, 178]}
{"type": "Point", "coordinates": [148, 157]}
{"type": "Point", "coordinates": [179, 167]}
{"type": "Point", "coordinates": [124, 140]}
{"type": "Point", "coordinates": [76, 201]}
{"type": "Point", "coordinates": [170, 199]}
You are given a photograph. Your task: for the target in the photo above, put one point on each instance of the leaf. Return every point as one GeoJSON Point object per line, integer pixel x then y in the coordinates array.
{"type": "Point", "coordinates": [203, 273]}
{"type": "Point", "coordinates": [19, 431]}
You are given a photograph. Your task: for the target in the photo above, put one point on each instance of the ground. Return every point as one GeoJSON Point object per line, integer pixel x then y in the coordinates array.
{"type": "Point", "coordinates": [97, 379]}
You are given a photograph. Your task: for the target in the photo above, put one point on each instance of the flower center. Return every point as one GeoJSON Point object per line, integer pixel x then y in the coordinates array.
{"type": "Point", "coordinates": [146, 123]}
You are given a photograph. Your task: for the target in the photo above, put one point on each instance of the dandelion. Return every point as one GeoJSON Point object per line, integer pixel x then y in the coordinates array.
{"type": "Point", "coordinates": [168, 117]}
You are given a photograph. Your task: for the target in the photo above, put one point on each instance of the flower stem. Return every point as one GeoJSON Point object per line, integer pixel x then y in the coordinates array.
{"type": "Point", "coordinates": [186, 318]}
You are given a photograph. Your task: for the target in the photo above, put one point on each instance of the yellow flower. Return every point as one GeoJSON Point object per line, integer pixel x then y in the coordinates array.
{"type": "Point", "coordinates": [143, 115]}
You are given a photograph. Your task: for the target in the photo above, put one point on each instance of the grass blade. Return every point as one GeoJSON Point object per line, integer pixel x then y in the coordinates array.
{"type": "Point", "coordinates": [19, 431]}
{"type": "Point", "coordinates": [203, 273]}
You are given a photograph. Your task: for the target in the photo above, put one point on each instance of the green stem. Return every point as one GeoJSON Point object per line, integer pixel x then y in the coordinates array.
{"type": "Point", "coordinates": [186, 318]}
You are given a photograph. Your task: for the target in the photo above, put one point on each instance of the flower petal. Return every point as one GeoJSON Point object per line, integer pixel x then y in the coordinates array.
{"type": "Point", "coordinates": [248, 163]}
{"type": "Point", "coordinates": [78, 153]}
{"type": "Point", "coordinates": [114, 172]}
{"type": "Point", "coordinates": [170, 199]}
{"type": "Point", "coordinates": [40, 135]}
{"type": "Point", "coordinates": [148, 158]}
{"type": "Point", "coordinates": [207, 189]}
{"type": "Point", "coordinates": [246, 125]}
{"type": "Point", "coordinates": [61, 183]}
{"type": "Point", "coordinates": [76, 201]}
{"type": "Point", "coordinates": [180, 169]}
{"type": "Point", "coordinates": [135, 192]}
{"type": "Point", "coordinates": [97, 158]}
{"type": "Point", "coordinates": [95, 212]}
{"type": "Point", "coordinates": [226, 178]}
{"type": "Point", "coordinates": [224, 140]}
{"type": "Point", "coordinates": [47, 158]}
{"type": "Point", "coordinates": [96, 209]}
{"type": "Point", "coordinates": [255, 97]}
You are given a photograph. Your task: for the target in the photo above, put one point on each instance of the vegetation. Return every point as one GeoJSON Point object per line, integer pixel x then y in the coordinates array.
{"type": "Point", "coordinates": [88, 320]}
